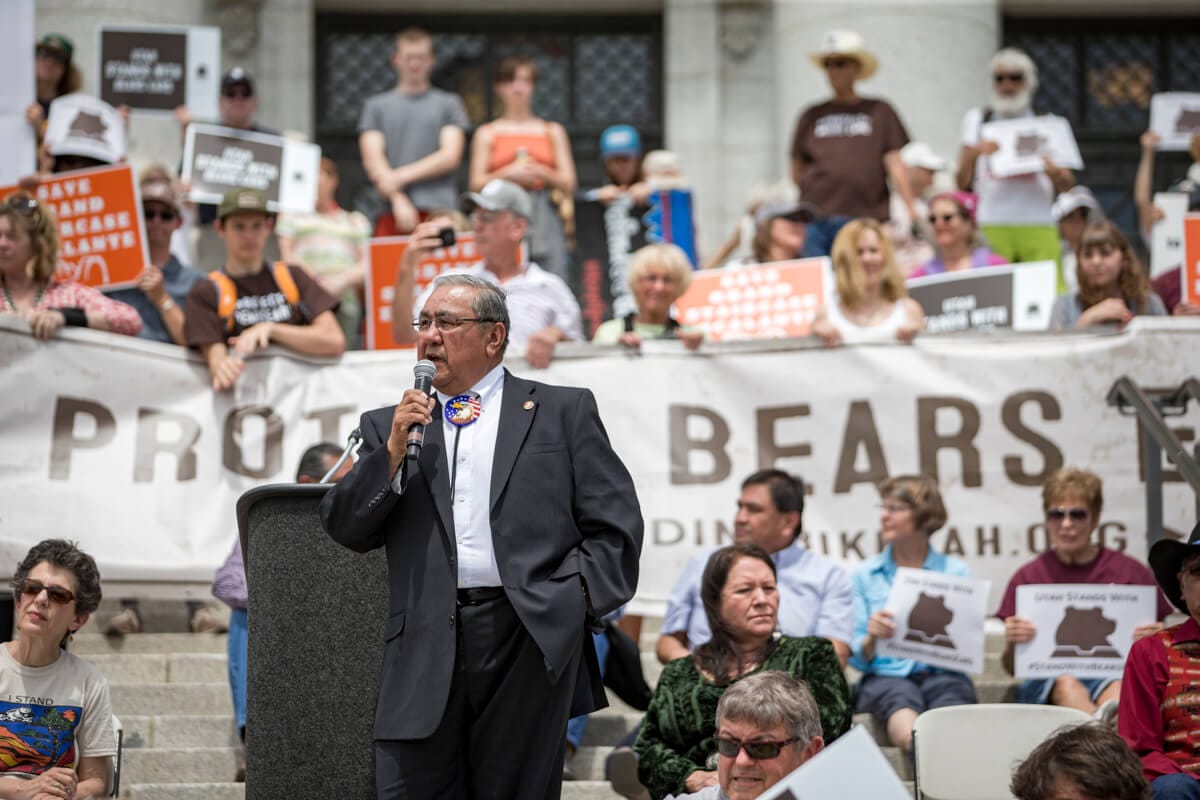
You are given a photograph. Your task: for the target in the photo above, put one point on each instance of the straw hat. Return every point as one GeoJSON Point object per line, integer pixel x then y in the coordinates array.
{"type": "Point", "coordinates": [848, 44]}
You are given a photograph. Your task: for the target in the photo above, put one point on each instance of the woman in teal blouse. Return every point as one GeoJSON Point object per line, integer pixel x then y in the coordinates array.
{"type": "Point", "coordinates": [896, 690]}
{"type": "Point", "coordinates": [676, 750]}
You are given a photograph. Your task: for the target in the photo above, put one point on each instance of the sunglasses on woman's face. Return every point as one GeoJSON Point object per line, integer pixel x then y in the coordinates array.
{"type": "Point", "coordinates": [22, 204]}
{"type": "Point", "coordinates": [759, 751]}
{"type": "Point", "coordinates": [164, 214]}
{"type": "Point", "coordinates": [934, 219]}
{"type": "Point", "coordinates": [59, 595]}
{"type": "Point", "coordinates": [1059, 514]}
{"type": "Point", "coordinates": [1012, 77]}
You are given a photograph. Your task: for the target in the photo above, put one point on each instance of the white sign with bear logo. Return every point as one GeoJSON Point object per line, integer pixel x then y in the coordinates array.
{"type": "Point", "coordinates": [1082, 629]}
{"type": "Point", "coordinates": [939, 619]}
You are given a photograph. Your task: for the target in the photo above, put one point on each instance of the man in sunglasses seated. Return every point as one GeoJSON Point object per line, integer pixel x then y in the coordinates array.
{"type": "Point", "coordinates": [1072, 499]}
{"type": "Point", "coordinates": [164, 283]}
{"type": "Point", "coordinates": [767, 726]}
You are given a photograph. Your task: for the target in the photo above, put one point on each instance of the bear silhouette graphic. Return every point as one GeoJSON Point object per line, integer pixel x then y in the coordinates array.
{"type": "Point", "coordinates": [1188, 120]}
{"type": "Point", "coordinates": [928, 620]}
{"type": "Point", "coordinates": [1083, 633]}
{"type": "Point", "coordinates": [89, 126]}
{"type": "Point", "coordinates": [1029, 144]}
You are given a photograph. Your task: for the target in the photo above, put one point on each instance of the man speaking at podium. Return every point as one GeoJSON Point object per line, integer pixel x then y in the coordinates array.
{"type": "Point", "coordinates": [513, 530]}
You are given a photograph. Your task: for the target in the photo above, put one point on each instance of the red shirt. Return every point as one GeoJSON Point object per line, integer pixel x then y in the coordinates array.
{"type": "Point", "coordinates": [1108, 567]}
{"type": "Point", "coordinates": [1149, 678]}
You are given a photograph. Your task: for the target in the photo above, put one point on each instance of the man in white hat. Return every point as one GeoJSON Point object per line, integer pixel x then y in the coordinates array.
{"type": "Point", "coordinates": [845, 149]}
{"type": "Point", "coordinates": [1014, 212]}
{"type": "Point", "coordinates": [544, 311]}
{"type": "Point", "coordinates": [912, 235]}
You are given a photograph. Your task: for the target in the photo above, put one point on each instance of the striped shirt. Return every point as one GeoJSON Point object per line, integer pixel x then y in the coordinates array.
{"type": "Point", "coordinates": [536, 299]}
{"type": "Point", "coordinates": [122, 318]}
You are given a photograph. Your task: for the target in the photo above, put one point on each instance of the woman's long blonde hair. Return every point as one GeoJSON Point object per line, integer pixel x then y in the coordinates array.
{"type": "Point", "coordinates": [41, 226]}
{"type": "Point", "coordinates": [848, 271]}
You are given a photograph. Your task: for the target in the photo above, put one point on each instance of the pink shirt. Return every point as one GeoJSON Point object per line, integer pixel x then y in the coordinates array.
{"type": "Point", "coordinates": [122, 318]}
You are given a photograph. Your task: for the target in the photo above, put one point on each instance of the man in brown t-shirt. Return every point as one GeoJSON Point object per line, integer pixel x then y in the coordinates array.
{"type": "Point", "coordinates": [845, 149]}
{"type": "Point", "coordinates": [253, 304]}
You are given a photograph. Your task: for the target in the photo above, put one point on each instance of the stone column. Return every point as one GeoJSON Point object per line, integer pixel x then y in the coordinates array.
{"type": "Point", "coordinates": [692, 80]}
{"type": "Point", "coordinates": [933, 59]}
{"type": "Point", "coordinates": [285, 64]}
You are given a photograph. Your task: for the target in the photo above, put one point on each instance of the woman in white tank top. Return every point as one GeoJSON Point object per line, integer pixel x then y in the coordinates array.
{"type": "Point", "coordinates": [872, 304]}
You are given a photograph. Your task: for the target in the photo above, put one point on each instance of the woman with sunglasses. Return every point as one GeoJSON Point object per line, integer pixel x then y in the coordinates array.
{"type": "Point", "coordinates": [676, 747]}
{"type": "Point", "coordinates": [959, 245]}
{"type": "Point", "coordinates": [895, 690]}
{"type": "Point", "coordinates": [1071, 502]}
{"type": "Point", "coordinates": [57, 718]}
{"type": "Point", "coordinates": [56, 75]}
{"type": "Point", "coordinates": [28, 289]}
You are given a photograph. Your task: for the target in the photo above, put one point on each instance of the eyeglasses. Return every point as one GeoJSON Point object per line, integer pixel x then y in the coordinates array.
{"type": "Point", "coordinates": [1059, 514]}
{"type": "Point", "coordinates": [164, 214]}
{"type": "Point", "coordinates": [21, 203]}
{"type": "Point", "coordinates": [59, 595]}
{"type": "Point", "coordinates": [838, 63]}
{"type": "Point", "coordinates": [237, 94]}
{"type": "Point", "coordinates": [895, 508]}
{"type": "Point", "coordinates": [484, 216]}
{"type": "Point", "coordinates": [445, 324]}
{"type": "Point", "coordinates": [1012, 77]}
{"type": "Point", "coordinates": [759, 751]}
{"type": "Point", "coordinates": [946, 219]}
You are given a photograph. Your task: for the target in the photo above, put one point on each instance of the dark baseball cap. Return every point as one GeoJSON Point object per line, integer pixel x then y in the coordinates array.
{"type": "Point", "coordinates": [58, 43]}
{"type": "Point", "coordinates": [242, 201]}
{"type": "Point", "coordinates": [237, 77]}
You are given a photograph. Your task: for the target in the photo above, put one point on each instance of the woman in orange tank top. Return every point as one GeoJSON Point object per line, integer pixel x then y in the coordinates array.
{"type": "Point", "coordinates": [531, 152]}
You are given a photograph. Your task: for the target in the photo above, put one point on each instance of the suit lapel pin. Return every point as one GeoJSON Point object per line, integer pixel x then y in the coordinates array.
{"type": "Point", "coordinates": [528, 405]}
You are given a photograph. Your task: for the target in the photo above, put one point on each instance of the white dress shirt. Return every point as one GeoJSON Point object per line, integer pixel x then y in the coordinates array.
{"type": "Point", "coordinates": [472, 487]}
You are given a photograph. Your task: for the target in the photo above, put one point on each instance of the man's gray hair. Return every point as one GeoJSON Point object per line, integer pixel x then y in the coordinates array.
{"type": "Point", "coordinates": [1017, 60]}
{"type": "Point", "coordinates": [489, 300]}
{"type": "Point", "coordinates": [769, 699]}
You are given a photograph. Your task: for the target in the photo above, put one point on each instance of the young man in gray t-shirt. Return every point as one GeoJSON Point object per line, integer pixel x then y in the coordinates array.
{"type": "Point", "coordinates": [411, 139]}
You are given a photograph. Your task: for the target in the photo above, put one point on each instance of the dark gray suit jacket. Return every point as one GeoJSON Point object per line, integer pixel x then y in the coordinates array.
{"type": "Point", "coordinates": [564, 516]}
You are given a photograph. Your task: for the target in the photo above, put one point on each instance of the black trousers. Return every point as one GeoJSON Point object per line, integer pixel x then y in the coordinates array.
{"type": "Point", "coordinates": [503, 731]}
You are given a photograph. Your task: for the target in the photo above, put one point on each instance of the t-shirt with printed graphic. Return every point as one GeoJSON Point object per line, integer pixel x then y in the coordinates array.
{"type": "Point", "coordinates": [841, 147]}
{"type": "Point", "coordinates": [52, 716]}
{"type": "Point", "coordinates": [259, 299]}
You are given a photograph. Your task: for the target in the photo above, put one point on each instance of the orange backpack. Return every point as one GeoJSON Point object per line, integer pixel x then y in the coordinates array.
{"type": "Point", "coordinates": [227, 291]}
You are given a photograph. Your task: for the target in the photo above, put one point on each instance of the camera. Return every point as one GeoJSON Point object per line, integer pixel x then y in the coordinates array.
{"type": "Point", "coordinates": [447, 237]}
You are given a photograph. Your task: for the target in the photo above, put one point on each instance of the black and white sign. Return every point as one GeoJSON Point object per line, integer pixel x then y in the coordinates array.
{"type": "Point", "coordinates": [82, 125]}
{"type": "Point", "coordinates": [217, 159]}
{"type": "Point", "coordinates": [1016, 296]}
{"type": "Point", "coordinates": [1166, 237]}
{"type": "Point", "coordinates": [939, 619]}
{"type": "Point", "coordinates": [1175, 117]}
{"type": "Point", "coordinates": [1083, 629]}
{"type": "Point", "coordinates": [160, 68]}
{"type": "Point", "coordinates": [1025, 142]}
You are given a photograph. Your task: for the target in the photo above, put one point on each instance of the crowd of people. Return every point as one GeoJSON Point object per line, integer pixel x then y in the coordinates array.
{"type": "Point", "coordinates": [758, 635]}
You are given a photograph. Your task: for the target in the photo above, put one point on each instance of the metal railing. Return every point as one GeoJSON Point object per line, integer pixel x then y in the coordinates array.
{"type": "Point", "coordinates": [1152, 410]}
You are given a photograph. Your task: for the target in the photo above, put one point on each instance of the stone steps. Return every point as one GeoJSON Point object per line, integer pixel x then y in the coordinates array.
{"type": "Point", "coordinates": [171, 693]}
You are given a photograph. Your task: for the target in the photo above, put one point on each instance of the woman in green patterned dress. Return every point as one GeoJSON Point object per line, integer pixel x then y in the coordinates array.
{"type": "Point", "coordinates": [676, 749]}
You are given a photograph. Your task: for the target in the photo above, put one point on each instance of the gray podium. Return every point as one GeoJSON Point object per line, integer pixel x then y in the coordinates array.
{"type": "Point", "coordinates": [316, 620]}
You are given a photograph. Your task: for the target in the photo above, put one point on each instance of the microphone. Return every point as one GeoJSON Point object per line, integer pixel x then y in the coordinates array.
{"type": "Point", "coordinates": [423, 372]}
{"type": "Point", "coordinates": [352, 442]}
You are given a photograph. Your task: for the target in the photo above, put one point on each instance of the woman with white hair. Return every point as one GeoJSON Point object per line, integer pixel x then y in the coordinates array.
{"type": "Point", "coordinates": [658, 274]}
{"type": "Point", "coordinates": [1014, 211]}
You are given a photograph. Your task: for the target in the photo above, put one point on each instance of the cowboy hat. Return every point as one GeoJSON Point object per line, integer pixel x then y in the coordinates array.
{"type": "Point", "coordinates": [848, 44]}
{"type": "Point", "coordinates": [1166, 559]}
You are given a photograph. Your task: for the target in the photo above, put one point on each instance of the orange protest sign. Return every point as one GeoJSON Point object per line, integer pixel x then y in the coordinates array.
{"type": "Point", "coordinates": [1190, 282]}
{"type": "Point", "coordinates": [384, 256]}
{"type": "Point", "coordinates": [101, 234]}
{"type": "Point", "coordinates": [775, 300]}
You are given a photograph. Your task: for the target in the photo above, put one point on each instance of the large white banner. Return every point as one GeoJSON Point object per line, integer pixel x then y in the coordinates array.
{"type": "Point", "coordinates": [121, 444]}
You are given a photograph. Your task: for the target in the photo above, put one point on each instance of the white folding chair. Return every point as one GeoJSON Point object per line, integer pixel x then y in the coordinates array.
{"type": "Point", "coordinates": [969, 752]}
